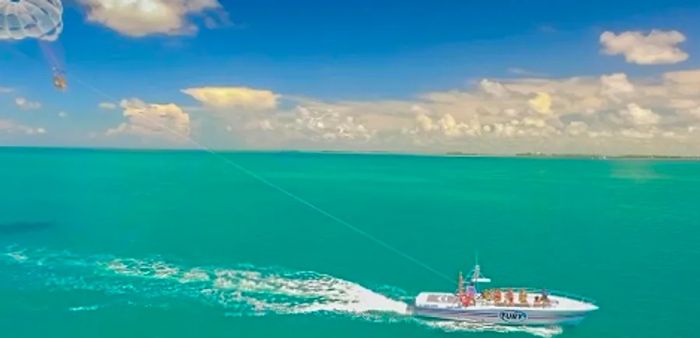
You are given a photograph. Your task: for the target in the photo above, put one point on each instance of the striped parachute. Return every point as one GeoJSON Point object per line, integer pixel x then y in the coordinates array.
{"type": "Point", "coordinates": [37, 19]}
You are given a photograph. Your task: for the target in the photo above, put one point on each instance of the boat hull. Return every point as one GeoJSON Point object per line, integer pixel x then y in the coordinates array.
{"type": "Point", "coordinates": [504, 316]}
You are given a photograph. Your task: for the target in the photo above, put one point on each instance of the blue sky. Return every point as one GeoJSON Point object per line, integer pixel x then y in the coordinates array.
{"type": "Point", "coordinates": [360, 75]}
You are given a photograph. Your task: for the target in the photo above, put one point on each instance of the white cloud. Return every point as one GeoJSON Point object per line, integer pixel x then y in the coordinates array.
{"type": "Point", "coordinates": [684, 77]}
{"type": "Point", "coordinates": [541, 103]}
{"type": "Point", "coordinates": [62, 114]}
{"type": "Point", "coordinates": [322, 125]}
{"type": "Point", "coordinates": [577, 128]}
{"type": "Point", "coordinates": [6, 90]}
{"type": "Point", "coordinates": [243, 98]}
{"type": "Point", "coordinates": [447, 126]}
{"type": "Point", "coordinates": [534, 122]}
{"type": "Point", "coordinates": [26, 104]}
{"type": "Point", "coordinates": [450, 127]}
{"type": "Point", "coordinates": [138, 18]}
{"type": "Point", "coordinates": [633, 133]}
{"type": "Point", "coordinates": [612, 112]}
{"type": "Point", "coordinates": [107, 105]}
{"type": "Point", "coordinates": [657, 47]}
{"type": "Point", "coordinates": [696, 112]}
{"type": "Point", "coordinates": [266, 125]}
{"type": "Point", "coordinates": [685, 83]}
{"type": "Point", "coordinates": [640, 116]}
{"type": "Point", "coordinates": [425, 122]}
{"type": "Point", "coordinates": [493, 87]}
{"type": "Point", "coordinates": [149, 119]}
{"type": "Point", "coordinates": [11, 127]}
{"type": "Point", "coordinates": [616, 86]}
{"type": "Point", "coordinates": [313, 126]}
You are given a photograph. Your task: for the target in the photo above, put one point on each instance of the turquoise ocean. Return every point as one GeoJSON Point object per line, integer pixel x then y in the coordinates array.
{"type": "Point", "coordinates": [114, 243]}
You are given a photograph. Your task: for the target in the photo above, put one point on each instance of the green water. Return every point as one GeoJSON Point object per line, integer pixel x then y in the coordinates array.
{"type": "Point", "coordinates": [182, 244]}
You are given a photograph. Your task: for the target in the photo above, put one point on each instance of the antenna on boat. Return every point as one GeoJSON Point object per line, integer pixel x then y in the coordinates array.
{"type": "Point", "coordinates": [476, 276]}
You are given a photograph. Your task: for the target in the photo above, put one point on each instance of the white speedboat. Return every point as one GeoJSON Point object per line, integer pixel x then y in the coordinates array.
{"type": "Point", "coordinates": [509, 306]}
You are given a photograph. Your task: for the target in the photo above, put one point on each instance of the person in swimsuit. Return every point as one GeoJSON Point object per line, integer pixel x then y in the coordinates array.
{"type": "Point", "coordinates": [497, 296]}
{"type": "Point", "coordinates": [522, 297]}
{"type": "Point", "coordinates": [510, 297]}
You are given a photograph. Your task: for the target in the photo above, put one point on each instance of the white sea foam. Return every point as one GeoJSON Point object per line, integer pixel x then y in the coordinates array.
{"type": "Point", "coordinates": [456, 326]}
{"type": "Point", "coordinates": [84, 308]}
{"type": "Point", "coordinates": [194, 275]}
{"type": "Point", "coordinates": [17, 256]}
{"type": "Point", "coordinates": [303, 293]}
{"type": "Point", "coordinates": [143, 268]}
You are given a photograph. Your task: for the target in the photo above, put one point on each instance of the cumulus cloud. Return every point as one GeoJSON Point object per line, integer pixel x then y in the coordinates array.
{"type": "Point", "coordinates": [425, 122]}
{"type": "Point", "coordinates": [656, 47]}
{"type": "Point", "coordinates": [446, 125]}
{"type": "Point", "coordinates": [684, 77]}
{"type": "Point", "coordinates": [493, 88]}
{"type": "Point", "coordinates": [541, 103]}
{"type": "Point", "coordinates": [150, 119]}
{"type": "Point", "coordinates": [640, 116]}
{"type": "Point", "coordinates": [695, 111]}
{"type": "Point", "coordinates": [243, 98]}
{"type": "Point", "coordinates": [616, 86]}
{"type": "Point", "coordinates": [26, 104]}
{"type": "Point", "coordinates": [453, 128]}
{"type": "Point", "coordinates": [686, 83]}
{"type": "Point", "coordinates": [613, 112]}
{"type": "Point", "coordinates": [577, 128]}
{"type": "Point", "coordinates": [638, 134]}
{"type": "Point", "coordinates": [12, 127]}
{"type": "Point", "coordinates": [317, 125]}
{"type": "Point", "coordinates": [138, 18]}
{"type": "Point", "coordinates": [6, 90]}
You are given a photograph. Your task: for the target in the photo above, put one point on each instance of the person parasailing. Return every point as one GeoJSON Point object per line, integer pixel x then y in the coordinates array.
{"type": "Point", "coordinates": [35, 19]}
{"type": "Point", "coordinates": [59, 80]}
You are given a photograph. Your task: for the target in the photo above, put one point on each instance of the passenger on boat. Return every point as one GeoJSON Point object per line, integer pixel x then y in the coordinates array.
{"type": "Point", "coordinates": [486, 295]}
{"type": "Point", "coordinates": [471, 293]}
{"type": "Point", "coordinates": [544, 298]}
{"type": "Point", "coordinates": [522, 297]}
{"type": "Point", "coordinates": [464, 299]}
{"type": "Point", "coordinates": [471, 289]}
{"type": "Point", "coordinates": [497, 296]}
{"type": "Point", "coordinates": [510, 297]}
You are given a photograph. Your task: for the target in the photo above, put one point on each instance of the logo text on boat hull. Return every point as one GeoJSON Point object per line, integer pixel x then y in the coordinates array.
{"type": "Point", "coordinates": [512, 316]}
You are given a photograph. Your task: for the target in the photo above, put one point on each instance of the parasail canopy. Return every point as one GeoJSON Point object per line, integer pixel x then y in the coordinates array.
{"type": "Point", "coordinates": [37, 19]}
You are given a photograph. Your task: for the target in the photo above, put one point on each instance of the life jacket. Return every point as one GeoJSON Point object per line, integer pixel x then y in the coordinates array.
{"type": "Point", "coordinates": [465, 299]}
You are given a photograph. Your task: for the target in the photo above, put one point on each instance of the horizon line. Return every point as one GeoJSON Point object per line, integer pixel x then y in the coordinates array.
{"type": "Point", "coordinates": [362, 152]}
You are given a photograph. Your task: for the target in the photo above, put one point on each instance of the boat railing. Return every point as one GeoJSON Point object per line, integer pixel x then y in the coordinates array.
{"type": "Point", "coordinates": [571, 295]}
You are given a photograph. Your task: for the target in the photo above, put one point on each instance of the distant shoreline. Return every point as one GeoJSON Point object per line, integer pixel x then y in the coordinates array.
{"type": "Point", "coordinates": [533, 155]}
{"type": "Point", "coordinates": [588, 156]}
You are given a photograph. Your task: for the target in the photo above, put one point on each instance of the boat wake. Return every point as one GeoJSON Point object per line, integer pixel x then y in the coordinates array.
{"type": "Point", "coordinates": [242, 290]}
{"type": "Point", "coordinates": [455, 326]}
